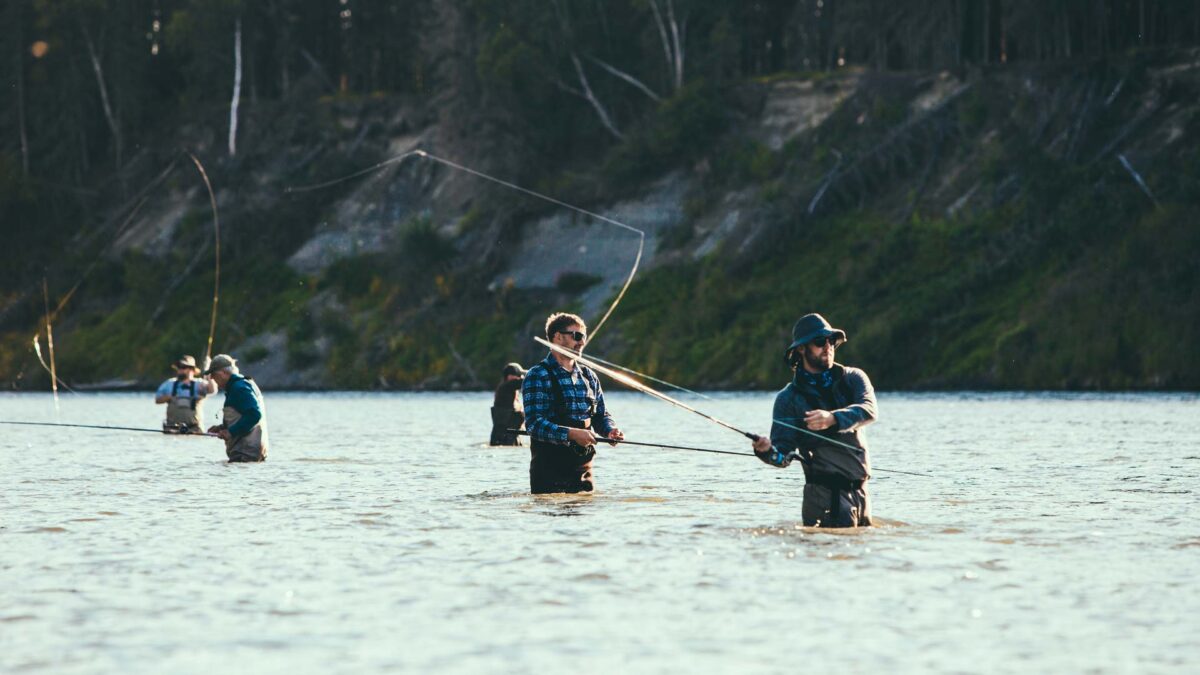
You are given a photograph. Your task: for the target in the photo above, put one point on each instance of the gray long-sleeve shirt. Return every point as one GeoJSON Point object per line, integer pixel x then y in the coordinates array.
{"type": "Point", "coordinates": [851, 399]}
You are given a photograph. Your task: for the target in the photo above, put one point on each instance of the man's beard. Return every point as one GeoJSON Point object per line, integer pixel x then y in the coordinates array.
{"type": "Point", "coordinates": [815, 362]}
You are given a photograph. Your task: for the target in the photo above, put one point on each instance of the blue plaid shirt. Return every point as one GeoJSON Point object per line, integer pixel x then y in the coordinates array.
{"type": "Point", "coordinates": [580, 388]}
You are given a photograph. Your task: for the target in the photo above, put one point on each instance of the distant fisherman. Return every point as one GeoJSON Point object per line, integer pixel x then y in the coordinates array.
{"type": "Point", "coordinates": [184, 396]}
{"type": "Point", "coordinates": [836, 402]}
{"type": "Point", "coordinates": [564, 413]}
{"type": "Point", "coordinates": [245, 423]}
{"type": "Point", "coordinates": [507, 409]}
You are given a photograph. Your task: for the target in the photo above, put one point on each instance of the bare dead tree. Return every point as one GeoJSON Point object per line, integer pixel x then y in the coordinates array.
{"type": "Point", "coordinates": [587, 94]}
{"type": "Point", "coordinates": [671, 33]}
{"type": "Point", "coordinates": [237, 86]}
{"type": "Point", "coordinates": [641, 86]}
{"type": "Point", "coordinates": [98, 69]}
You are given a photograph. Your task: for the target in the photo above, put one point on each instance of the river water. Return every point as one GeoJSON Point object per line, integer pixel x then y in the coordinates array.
{"type": "Point", "coordinates": [1058, 533]}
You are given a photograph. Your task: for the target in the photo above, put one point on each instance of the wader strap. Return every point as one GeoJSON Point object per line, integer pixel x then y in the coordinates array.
{"type": "Point", "coordinates": [175, 391]}
{"type": "Point", "coordinates": [561, 417]}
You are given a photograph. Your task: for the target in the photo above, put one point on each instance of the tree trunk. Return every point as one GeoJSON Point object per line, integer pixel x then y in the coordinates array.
{"type": "Point", "coordinates": [113, 127]}
{"type": "Point", "coordinates": [677, 35]}
{"type": "Point", "coordinates": [596, 105]}
{"type": "Point", "coordinates": [666, 41]}
{"type": "Point", "coordinates": [237, 86]}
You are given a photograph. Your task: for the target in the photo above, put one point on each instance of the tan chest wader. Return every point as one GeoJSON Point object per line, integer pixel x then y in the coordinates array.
{"type": "Point", "coordinates": [251, 447]}
{"type": "Point", "coordinates": [183, 411]}
{"type": "Point", "coordinates": [835, 482]}
{"type": "Point", "coordinates": [562, 468]}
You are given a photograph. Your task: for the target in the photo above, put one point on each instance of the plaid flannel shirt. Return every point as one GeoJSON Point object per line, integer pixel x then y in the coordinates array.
{"type": "Point", "coordinates": [580, 388]}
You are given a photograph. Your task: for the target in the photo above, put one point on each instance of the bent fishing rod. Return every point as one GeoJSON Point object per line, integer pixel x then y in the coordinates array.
{"type": "Point", "coordinates": [793, 454]}
{"type": "Point", "coordinates": [634, 384]}
{"type": "Point", "coordinates": [105, 427]}
{"type": "Point", "coordinates": [612, 441]}
{"type": "Point", "coordinates": [637, 260]}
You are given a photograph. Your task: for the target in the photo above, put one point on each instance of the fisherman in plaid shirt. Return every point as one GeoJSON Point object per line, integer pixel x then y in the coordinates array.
{"type": "Point", "coordinates": [564, 413]}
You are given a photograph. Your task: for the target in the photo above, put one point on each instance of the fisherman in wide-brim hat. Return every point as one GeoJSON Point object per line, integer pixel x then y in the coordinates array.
{"type": "Point", "coordinates": [818, 419]}
{"type": "Point", "coordinates": [184, 396]}
{"type": "Point", "coordinates": [508, 412]}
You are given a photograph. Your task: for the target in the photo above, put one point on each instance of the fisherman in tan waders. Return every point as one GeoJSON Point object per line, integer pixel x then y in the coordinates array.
{"type": "Point", "coordinates": [508, 411]}
{"type": "Point", "coordinates": [184, 396]}
{"type": "Point", "coordinates": [564, 413]}
{"type": "Point", "coordinates": [245, 427]}
{"type": "Point", "coordinates": [825, 402]}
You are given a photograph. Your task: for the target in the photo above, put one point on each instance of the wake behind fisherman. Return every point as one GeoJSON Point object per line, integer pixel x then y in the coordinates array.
{"type": "Point", "coordinates": [835, 402]}
{"type": "Point", "coordinates": [245, 424]}
{"type": "Point", "coordinates": [564, 413]}
{"type": "Point", "coordinates": [184, 396]}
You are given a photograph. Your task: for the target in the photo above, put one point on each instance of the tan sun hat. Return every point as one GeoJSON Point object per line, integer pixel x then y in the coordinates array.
{"type": "Point", "coordinates": [187, 361]}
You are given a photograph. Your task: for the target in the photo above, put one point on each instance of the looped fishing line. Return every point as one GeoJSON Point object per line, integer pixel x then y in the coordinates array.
{"type": "Point", "coordinates": [512, 186]}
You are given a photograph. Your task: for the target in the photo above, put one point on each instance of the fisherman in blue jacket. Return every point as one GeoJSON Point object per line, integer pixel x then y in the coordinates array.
{"type": "Point", "coordinates": [245, 424]}
{"type": "Point", "coordinates": [818, 419]}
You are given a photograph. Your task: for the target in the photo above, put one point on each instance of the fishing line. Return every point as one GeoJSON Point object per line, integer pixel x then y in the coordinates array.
{"type": "Point", "coordinates": [100, 426]}
{"type": "Point", "coordinates": [634, 384]}
{"type": "Point", "coordinates": [212, 200]}
{"type": "Point", "coordinates": [644, 376]}
{"type": "Point", "coordinates": [512, 186]}
{"type": "Point", "coordinates": [62, 302]}
{"type": "Point", "coordinates": [655, 445]}
{"type": "Point", "coordinates": [50, 345]}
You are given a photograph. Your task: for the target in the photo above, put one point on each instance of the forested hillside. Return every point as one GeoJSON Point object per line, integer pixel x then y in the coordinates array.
{"type": "Point", "coordinates": [983, 193]}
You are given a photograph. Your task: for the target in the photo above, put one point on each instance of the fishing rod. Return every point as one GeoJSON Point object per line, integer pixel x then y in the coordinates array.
{"type": "Point", "coordinates": [212, 200]}
{"type": "Point", "coordinates": [634, 384]}
{"type": "Point", "coordinates": [653, 445]}
{"type": "Point", "coordinates": [644, 376]}
{"type": "Point", "coordinates": [512, 186]}
{"type": "Point", "coordinates": [100, 426]}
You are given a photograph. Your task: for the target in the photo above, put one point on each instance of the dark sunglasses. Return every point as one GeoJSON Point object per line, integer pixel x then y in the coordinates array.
{"type": "Point", "coordinates": [830, 340]}
{"type": "Point", "coordinates": [578, 335]}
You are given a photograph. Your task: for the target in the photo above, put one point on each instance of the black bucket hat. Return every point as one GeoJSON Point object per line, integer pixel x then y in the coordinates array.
{"type": "Point", "coordinates": [513, 369]}
{"type": "Point", "coordinates": [811, 327]}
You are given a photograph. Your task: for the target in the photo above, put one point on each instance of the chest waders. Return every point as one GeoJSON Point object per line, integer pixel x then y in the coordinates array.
{"type": "Point", "coordinates": [506, 414]}
{"type": "Point", "coordinates": [252, 447]}
{"type": "Point", "coordinates": [504, 419]}
{"type": "Point", "coordinates": [562, 468]}
{"type": "Point", "coordinates": [183, 412]}
{"type": "Point", "coordinates": [837, 497]}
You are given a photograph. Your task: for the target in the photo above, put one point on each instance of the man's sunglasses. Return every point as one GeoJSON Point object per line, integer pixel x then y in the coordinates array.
{"type": "Point", "coordinates": [830, 340]}
{"type": "Point", "coordinates": [578, 335]}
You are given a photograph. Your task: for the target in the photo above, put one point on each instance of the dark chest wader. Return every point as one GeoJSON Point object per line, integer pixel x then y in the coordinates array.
{"type": "Point", "coordinates": [837, 485]}
{"type": "Point", "coordinates": [183, 415]}
{"type": "Point", "coordinates": [562, 468]}
{"type": "Point", "coordinates": [506, 414]}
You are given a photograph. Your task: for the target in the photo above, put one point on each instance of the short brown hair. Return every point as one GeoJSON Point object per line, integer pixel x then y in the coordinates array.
{"type": "Point", "coordinates": [560, 320]}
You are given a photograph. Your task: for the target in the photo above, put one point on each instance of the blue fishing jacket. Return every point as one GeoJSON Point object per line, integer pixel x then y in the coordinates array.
{"type": "Point", "coordinates": [851, 399]}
